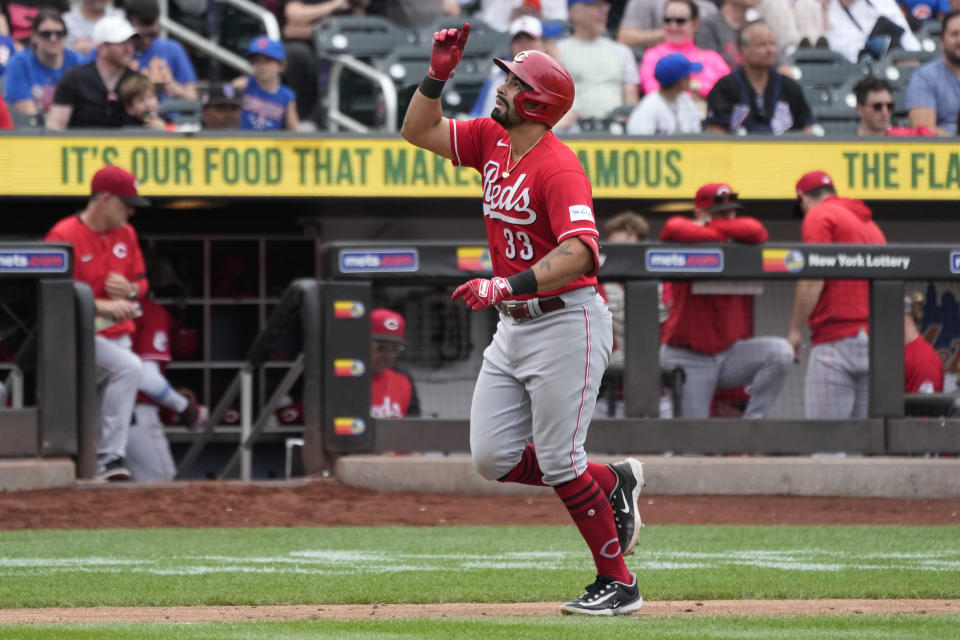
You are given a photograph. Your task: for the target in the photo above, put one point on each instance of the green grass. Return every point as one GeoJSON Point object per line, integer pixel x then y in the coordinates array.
{"type": "Point", "coordinates": [465, 564]}
{"type": "Point", "coordinates": [800, 628]}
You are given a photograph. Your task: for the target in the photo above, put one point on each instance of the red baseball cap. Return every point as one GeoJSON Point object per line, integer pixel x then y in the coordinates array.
{"type": "Point", "coordinates": [118, 182]}
{"type": "Point", "coordinates": [715, 197]}
{"type": "Point", "coordinates": [812, 180]}
{"type": "Point", "coordinates": [387, 325]}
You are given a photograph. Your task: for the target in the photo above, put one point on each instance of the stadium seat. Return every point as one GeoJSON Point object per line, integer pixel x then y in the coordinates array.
{"type": "Point", "coordinates": [484, 41]}
{"type": "Point", "coordinates": [23, 121]}
{"type": "Point", "coordinates": [358, 36]}
{"type": "Point", "coordinates": [406, 64]}
{"type": "Point", "coordinates": [824, 68]}
{"type": "Point", "coordinates": [184, 112]}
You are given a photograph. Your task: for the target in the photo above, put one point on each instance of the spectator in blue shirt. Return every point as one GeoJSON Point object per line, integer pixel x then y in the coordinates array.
{"type": "Point", "coordinates": [7, 49]}
{"type": "Point", "coordinates": [33, 74]}
{"type": "Point", "coordinates": [163, 61]}
{"type": "Point", "coordinates": [267, 102]}
{"type": "Point", "coordinates": [933, 94]}
{"type": "Point", "coordinates": [923, 10]}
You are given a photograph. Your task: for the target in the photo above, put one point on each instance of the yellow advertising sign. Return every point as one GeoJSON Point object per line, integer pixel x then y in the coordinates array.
{"type": "Point", "coordinates": [363, 167]}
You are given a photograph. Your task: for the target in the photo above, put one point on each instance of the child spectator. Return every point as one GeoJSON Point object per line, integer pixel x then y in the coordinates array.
{"type": "Point", "coordinates": [267, 102]}
{"type": "Point", "coordinates": [669, 109]}
{"type": "Point", "coordinates": [221, 108]}
{"type": "Point", "coordinates": [33, 73]}
{"type": "Point", "coordinates": [139, 100]}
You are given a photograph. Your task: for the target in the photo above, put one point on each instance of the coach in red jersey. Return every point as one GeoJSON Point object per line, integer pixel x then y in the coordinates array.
{"type": "Point", "coordinates": [540, 375]}
{"type": "Point", "coordinates": [837, 311]}
{"type": "Point", "coordinates": [392, 392]}
{"type": "Point", "coordinates": [711, 335]}
{"type": "Point", "coordinates": [107, 257]}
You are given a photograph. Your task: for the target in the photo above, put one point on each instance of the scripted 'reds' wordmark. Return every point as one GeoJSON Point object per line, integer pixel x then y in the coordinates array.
{"type": "Point", "coordinates": [701, 260]}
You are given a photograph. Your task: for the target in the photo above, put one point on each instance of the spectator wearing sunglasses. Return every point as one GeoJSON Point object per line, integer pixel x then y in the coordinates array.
{"type": "Point", "coordinates": [710, 335]}
{"type": "Point", "coordinates": [163, 61]}
{"type": "Point", "coordinates": [642, 23]}
{"type": "Point", "coordinates": [875, 107]}
{"type": "Point", "coordinates": [33, 73]}
{"type": "Point", "coordinates": [681, 18]}
{"type": "Point", "coordinates": [82, 18]}
{"type": "Point", "coordinates": [392, 393]}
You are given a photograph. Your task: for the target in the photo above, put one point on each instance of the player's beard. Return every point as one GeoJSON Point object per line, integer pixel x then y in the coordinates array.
{"type": "Point", "coordinates": [506, 116]}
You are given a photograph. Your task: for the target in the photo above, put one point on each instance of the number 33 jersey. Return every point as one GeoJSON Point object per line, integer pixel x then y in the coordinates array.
{"type": "Point", "coordinates": [543, 200]}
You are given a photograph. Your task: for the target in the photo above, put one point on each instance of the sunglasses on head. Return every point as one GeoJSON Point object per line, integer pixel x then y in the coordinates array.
{"type": "Point", "coordinates": [880, 106]}
{"type": "Point", "coordinates": [724, 198]}
{"type": "Point", "coordinates": [51, 34]}
{"type": "Point", "coordinates": [676, 21]}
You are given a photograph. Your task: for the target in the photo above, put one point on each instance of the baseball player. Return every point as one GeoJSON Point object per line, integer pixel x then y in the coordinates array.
{"type": "Point", "coordinates": [392, 392]}
{"type": "Point", "coordinates": [107, 257]}
{"type": "Point", "coordinates": [838, 311]}
{"type": "Point", "coordinates": [710, 336]}
{"type": "Point", "coordinates": [540, 375]}
{"type": "Point", "coordinates": [148, 453]}
{"type": "Point", "coordinates": [922, 367]}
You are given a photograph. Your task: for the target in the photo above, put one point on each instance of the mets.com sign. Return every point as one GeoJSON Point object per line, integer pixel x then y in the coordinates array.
{"type": "Point", "coordinates": [702, 260]}
{"type": "Point", "coordinates": [34, 261]}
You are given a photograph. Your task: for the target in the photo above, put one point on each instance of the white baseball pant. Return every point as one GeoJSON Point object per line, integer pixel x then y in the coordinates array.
{"type": "Point", "coordinates": [118, 373]}
{"type": "Point", "coordinates": [148, 453]}
{"type": "Point", "coordinates": [539, 382]}
{"type": "Point", "coordinates": [837, 385]}
{"type": "Point", "coordinates": [761, 362]}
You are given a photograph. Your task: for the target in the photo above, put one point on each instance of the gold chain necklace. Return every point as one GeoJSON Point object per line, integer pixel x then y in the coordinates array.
{"type": "Point", "coordinates": [506, 172]}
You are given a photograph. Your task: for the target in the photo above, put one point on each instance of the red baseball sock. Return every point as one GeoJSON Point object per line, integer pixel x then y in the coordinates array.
{"type": "Point", "coordinates": [528, 471]}
{"type": "Point", "coordinates": [591, 512]}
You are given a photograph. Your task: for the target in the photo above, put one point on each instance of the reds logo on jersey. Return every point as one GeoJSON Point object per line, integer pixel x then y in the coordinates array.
{"type": "Point", "coordinates": [120, 250]}
{"type": "Point", "coordinates": [510, 204]}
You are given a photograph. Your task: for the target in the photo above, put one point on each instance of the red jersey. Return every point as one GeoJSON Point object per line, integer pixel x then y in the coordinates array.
{"type": "Point", "coordinates": [392, 395]}
{"type": "Point", "coordinates": [95, 255]}
{"type": "Point", "coordinates": [709, 323]}
{"type": "Point", "coordinates": [545, 200]}
{"type": "Point", "coordinates": [6, 121]}
{"type": "Point", "coordinates": [151, 338]}
{"type": "Point", "coordinates": [843, 309]}
{"type": "Point", "coordinates": [922, 367]}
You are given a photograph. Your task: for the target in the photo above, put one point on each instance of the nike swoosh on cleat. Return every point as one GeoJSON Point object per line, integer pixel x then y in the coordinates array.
{"type": "Point", "coordinates": [626, 503]}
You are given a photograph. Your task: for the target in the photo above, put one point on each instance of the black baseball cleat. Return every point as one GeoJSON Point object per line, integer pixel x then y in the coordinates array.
{"type": "Point", "coordinates": [623, 499]}
{"type": "Point", "coordinates": [114, 471]}
{"type": "Point", "coordinates": [606, 597]}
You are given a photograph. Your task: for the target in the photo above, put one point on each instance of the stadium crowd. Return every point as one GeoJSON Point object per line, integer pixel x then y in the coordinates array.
{"type": "Point", "coordinates": [640, 66]}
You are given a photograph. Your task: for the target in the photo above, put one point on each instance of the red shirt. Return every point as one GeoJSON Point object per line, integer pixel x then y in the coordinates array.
{"type": "Point", "coordinates": [95, 255]}
{"type": "Point", "coordinates": [391, 395]}
{"type": "Point", "coordinates": [545, 200]}
{"type": "Point", "coordinates": [709, 323]}
{"type": "Point", "coordinates": [843, 308]}
{"type": "Point", "coordinates": [921, 364]}
{"type": "Point", "coordinates": [6, 121]}
{"type": "Point", "coordinates": [151, 338]}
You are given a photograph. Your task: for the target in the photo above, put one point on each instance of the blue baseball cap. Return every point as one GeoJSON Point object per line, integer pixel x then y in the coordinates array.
{"type": "Point", "coordinates": [570, 3]}
{"type": "Point", "coordinates": [267, 47]}
{"type": "Point", "coordinates": [673, 68]}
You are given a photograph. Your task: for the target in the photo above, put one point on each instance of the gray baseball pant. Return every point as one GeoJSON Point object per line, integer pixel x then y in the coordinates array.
{"type": "Point", "coordinates": [761, 362]}
{"type": "Point", "coordinates": [119, 369]}
{"type": "Point", "coordinates": [148, 453]}
{"type": "Point", "coordinates": [539, 380]}
{"type": "Point", "coordinates": [837, 385]}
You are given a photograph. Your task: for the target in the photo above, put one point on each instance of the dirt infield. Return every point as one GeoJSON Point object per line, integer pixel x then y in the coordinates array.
{"type": "Point", "coordinates": [326, 502]}
{"type": "Point", "coordinates": [687, 608]}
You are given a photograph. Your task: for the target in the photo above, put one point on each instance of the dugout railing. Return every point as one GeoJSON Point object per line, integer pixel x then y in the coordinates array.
{"type": "Point", "coordinates": [53, 411]}
{"type": "Point", "coordinates": [886, 430]}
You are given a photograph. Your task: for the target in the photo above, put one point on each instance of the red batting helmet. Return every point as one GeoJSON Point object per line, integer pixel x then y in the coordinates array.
{"type": "Point", "coordinates": [551, 94]}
